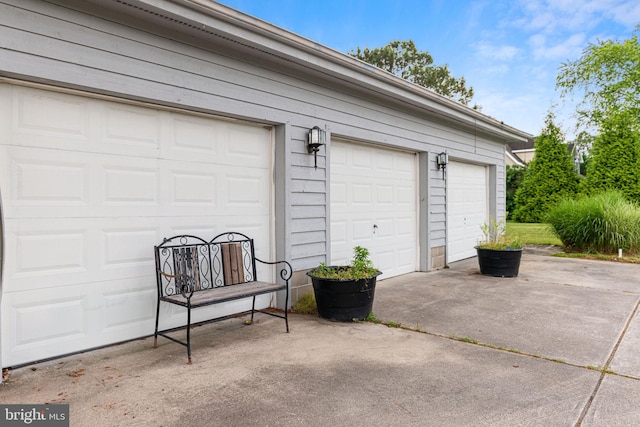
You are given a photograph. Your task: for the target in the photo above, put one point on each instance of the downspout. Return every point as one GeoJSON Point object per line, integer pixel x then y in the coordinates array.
{"type": "Point", "coordinates": [446, 217]}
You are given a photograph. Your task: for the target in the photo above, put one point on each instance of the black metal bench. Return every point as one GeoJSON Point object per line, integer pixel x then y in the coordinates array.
{"type": "Point", "coordinates": [192, 272]}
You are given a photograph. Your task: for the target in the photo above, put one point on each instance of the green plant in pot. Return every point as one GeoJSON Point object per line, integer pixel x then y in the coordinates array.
{"type": "Point", "coordinates": [345, 293]}
{"type": "Point", "coordinates": [498, 255]}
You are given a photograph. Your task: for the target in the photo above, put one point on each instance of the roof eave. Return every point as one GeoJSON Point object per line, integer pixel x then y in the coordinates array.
{"type": "Point", "coordinates": [275, 40]}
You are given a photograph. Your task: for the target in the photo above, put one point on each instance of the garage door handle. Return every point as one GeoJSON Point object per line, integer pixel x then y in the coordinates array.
{"type": "Point", "coordinates": [375, 227]}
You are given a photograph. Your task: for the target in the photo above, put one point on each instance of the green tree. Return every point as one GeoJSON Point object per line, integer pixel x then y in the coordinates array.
{"type": "Point", "coordinates": [607, 75]}
{"type": "Point", "coordinates": [515, 174]}
{"type": "Point", "coordinates": [549, 178]}
{"type": "Point", "coordinates": [404, 60]}
{"type": "Point", "coordinates": [615, 158]}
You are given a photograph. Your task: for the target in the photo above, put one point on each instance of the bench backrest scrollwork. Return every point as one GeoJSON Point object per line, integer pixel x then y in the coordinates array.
{"type": "Point", "coordinates": [190, 263]}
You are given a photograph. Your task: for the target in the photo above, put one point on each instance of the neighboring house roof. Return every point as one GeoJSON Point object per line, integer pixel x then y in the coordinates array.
{"type": "Point", "coordinates": [528, 146]}
{"type": "Point", "coordinates": [521, 146]}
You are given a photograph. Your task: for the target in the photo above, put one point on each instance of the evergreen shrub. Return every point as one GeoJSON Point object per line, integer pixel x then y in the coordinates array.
{"type": "Point", "coordinates": [549, 178]}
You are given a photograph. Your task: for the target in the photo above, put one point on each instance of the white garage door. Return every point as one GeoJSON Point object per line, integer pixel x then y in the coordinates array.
{"type": "Point", "coordinates": [467, 208]}
{"type": "Point", "coordinates": [89, 186]}
{"type": "Point", "coordinates": [373, 204]}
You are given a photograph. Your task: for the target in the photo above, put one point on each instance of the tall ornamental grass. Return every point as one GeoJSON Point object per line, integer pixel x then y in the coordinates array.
{"type": "Point", "coordinates": [601, 223]}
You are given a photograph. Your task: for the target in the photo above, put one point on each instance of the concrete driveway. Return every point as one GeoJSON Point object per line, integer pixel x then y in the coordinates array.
{"type": "Point", "coordinates": [557, 346]}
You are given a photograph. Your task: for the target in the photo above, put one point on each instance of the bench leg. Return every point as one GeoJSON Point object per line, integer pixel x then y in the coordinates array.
{"type": "Point", "coordinates": [286, 305]}
{"type": "Point", "coordinates": [253, 309]}
{"type": "Point", "coordinates": [155, 335]}
{"type": "Point", "coordinates": [189, 334]}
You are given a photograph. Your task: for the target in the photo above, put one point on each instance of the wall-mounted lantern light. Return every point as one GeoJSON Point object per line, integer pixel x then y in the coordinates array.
{"type": "Point", "coordinates": [441, 160]}
{"type": "Point", "coordinates": [316, 139]}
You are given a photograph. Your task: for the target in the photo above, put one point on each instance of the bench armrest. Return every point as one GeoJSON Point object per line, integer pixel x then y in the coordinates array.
{"type": "Point", "coordinates": [286, 271]}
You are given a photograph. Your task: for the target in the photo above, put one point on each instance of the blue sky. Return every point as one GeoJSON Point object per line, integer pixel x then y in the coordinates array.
{"type": "Point", "coordinates": [508, 50]}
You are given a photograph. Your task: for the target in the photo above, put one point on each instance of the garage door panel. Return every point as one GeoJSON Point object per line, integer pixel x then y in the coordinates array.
{"type": "Point", "coordinates": [338, 195]}
{"type": "Point", "coordinates": [45, 116]}
{"type": "Point", "coordinates": [194, 189]}
{"type": "Point", "coordinates": [373, 193]}
{"type": "Point", "coordinates": [405, 227]}
{"type": "Point", "coordinates": [361, 194]}
{"type": "Point", "coordinates": [385, 227]}
{"type": "Point", "coordinates": [385, 195]}
{"type": "Point", "coordinates": [362, 159]}
{"type": "Point", "coordinates": [405, 195]}
{"type": "Point", "coordinates": [405, 258]}
{"type": "Point", "coordinates": [385, 260]}
{"type": "Point", "coordinates": [74, 123]}
{"type": "Point", "coordinates": [385, 164]}
{"type": "Point", "coordinates": [404, 165]}
{"type": "Point", "coordinates": [126, 248]}
{"type": "Point", "coordinates": [127, 185]}
{"type": "Point", "coordinates": [201, 140]}
{"type": "Point", "coordinates": [193, 138]}
{"type": "Point", "coordinates": [41, 178]}
{"type": "Point", "coordinates": [338, 157]}
{"type": "Point", "coordinates": [245, 191]}
{"type": "Point", "coordinates": [52, 183]}
{"type": "Point", "coordinates": [38, 322]}
{"type": "Point", "coordinates": [198, 189]}
{"type": "Point", "coordinates": [34, 254]}
{"type": "Point", "coordinates": [126, 307]}
{"type": "Point", "coordinates": [190, 188]}
{"type": "Point", "coordinates": [253, 149]}
{"type": "Point", "coordinates": [339, 232]}
{"type": "Point", "coordinates": [467, 208]}
{"type": "Point", "coordinates": [76, 317]}
{"type": "Point", "coordinates": [64, 251]}
{"type": "Point", "coordinates": [361, 230]}
{"type": "Point", "coordinates": [130, 126]}
{"type": "Point", "coordinates": [89, 186]}
{"type": "Point", "coordinates": [42, 181]}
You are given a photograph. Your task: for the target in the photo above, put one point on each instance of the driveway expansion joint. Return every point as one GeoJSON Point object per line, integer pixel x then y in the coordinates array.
{"type": "Point", "coordinates": [605, 368]}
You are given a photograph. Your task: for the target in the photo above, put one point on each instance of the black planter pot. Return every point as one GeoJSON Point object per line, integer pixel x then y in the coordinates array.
{"type": "Point", "coordinates": [344, 300]}
{"type": "Point", "coordinates": [499, 263]}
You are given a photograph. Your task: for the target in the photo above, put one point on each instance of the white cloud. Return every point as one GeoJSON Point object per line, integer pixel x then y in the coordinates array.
{"type": "Point", "coordinates": [627, 14]}
{"type": "Point", "coordinates": [496, 52]}
{"type": "Point", "coordinates": [544, 50]}
{"type": "Point", "coordinates": [498, 69]}
{"type": "Point", "coordinates": [524, 112]}
{"type": "Point", "coordinates": [551, 16]}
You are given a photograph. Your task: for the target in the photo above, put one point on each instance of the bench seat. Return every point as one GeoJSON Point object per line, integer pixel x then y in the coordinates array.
{"type": "Point", "coordinates": [225, 293]}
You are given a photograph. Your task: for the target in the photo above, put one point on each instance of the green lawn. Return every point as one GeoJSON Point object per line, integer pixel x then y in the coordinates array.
{"type": "Point", "coordinates": [540, 234]}
{"type": "Point", "coordinates": [532, 234]}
